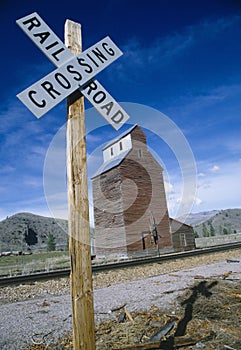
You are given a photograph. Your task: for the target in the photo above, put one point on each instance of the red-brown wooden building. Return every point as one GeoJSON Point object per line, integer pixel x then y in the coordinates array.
{"type": "Point", "coordinates": [130, 208]}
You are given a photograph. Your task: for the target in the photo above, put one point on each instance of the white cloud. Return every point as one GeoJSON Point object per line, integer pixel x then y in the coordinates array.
{"type": "Point", "coordinates": [215, 189]}
{"type": "Point", "coordinates": [6, 170]}
{"type": "Point", "coordinates": [197, 104]}
{"type": "Point", "coordinates": [198, 201]}
{"type": "Point", "coordinates": [32, 182]}
{"type": "Point", "coordinates": [57, 204]}
{"type": "Point", "coordinates": [220, 190]}
{"type": "Point", "coordinates": [168, 187]}
{"type": "Point", "coordinates": [232, 143]}
{"type": "Point", "coordinates": [166, 50]}
{"type": "Point", "coordinates": [36, 205]}
{"type": "Point", "coordinates": [215, 169]}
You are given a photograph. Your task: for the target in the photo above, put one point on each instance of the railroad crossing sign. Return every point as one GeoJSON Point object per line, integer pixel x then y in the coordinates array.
{"type": "Point", "coordinates": [73, 72]}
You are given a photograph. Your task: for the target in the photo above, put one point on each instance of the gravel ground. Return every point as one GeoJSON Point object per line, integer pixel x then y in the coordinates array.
{"type": "Point", "coordinates": [29, 313]}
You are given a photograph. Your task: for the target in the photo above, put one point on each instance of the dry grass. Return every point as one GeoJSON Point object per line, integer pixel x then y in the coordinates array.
{"type": "Point", "coordinates": [207, 316]}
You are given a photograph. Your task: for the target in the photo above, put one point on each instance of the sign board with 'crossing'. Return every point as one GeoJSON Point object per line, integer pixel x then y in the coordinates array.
{"type": "Point", "coordinates": [73, 72]}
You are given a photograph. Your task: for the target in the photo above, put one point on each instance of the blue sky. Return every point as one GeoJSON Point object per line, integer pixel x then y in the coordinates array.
{"type": "Point", "coordinates": [181, 58]}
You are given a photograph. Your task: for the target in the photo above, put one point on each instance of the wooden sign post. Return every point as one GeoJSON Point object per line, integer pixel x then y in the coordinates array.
{"type": "Point", "coordinates": [74, 79]}
{"type": "Point", "coordinates": [78, 223]}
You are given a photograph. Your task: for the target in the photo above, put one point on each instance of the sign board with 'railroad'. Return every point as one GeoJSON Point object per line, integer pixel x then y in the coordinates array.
{"type": "Point", "coordinates": [73, 72]}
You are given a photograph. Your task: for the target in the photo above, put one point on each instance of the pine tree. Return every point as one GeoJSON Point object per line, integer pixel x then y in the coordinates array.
{"type": "Point", "coordinates": [225, 231]}
{"type": "Point", "coordinates": [51, 245]}
{"type": "Point", "coordinates": [212, 230]}
{"type": "Point", "coordinates": [205, 230]}
{"type": "Point", "coordinates": [67, 244]}
{"type": "Point", "coordinates": [195, 234]}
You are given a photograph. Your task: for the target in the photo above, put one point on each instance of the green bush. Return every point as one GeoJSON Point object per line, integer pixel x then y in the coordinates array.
{"type": "Point", "coordinates": [51, 245]}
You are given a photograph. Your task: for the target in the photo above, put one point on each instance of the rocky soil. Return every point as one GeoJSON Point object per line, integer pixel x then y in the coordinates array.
{"type": "Point", "coordinates": [106, 279]}
{"type": "Point", "coordinates": [198, 299]}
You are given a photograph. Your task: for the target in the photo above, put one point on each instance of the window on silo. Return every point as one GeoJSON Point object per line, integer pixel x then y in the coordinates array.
{"type": "Point", "coordinates": [121, 146]}
{"type": "Point", "coordinates": [111, 151]}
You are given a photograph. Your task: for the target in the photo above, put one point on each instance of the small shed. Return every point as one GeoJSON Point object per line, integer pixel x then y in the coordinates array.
{"type": "Point", "coordinates": [182, 236]}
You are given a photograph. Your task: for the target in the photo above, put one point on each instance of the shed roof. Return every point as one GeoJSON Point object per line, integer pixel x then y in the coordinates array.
{"type": "Point", "coordinates": [174, 222]}
{"type": "Point", "coordinates": [115, 161]}
{"type": "Point", "coordinates": [128, 131]}
{"type": "Point", "coordinates": [112, 163]}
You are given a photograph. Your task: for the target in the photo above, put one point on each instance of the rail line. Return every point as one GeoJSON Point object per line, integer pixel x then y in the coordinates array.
{"type": "Point", "coordinates": [24, 279]}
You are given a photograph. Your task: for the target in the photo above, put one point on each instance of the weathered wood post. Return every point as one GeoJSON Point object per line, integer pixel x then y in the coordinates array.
{"type": "Point", "coordinates": [72, 77]}
{"type": "Point", "coordinates": [79, 232]}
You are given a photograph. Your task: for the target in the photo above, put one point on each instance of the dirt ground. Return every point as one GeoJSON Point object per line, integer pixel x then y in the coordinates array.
{"type": "Point", "coordinates": [207, 316]}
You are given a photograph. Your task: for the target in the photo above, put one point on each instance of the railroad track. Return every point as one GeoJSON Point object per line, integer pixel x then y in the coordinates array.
{"type": "Point", "coordinates": [22, 279]}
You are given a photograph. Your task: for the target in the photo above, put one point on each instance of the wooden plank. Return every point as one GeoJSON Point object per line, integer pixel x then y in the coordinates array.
{"type": "Point", "coordinates": [170, 343]}
{"type": "Point", "coordinates": [151, 346]}
{"type": "Point", "coordinates": [79, 233]}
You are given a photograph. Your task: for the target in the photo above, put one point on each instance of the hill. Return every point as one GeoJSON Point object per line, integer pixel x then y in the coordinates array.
{"type": "Point", "coordinates": [194, 219]}
{"type": "Point", "coordinates": [216, 222]}
{"type": "Point", "coordinates": [26, 231]}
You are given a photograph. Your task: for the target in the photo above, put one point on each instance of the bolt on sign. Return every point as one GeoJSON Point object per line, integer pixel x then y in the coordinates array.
{"type": "Point", "coordinates": [73, 72]}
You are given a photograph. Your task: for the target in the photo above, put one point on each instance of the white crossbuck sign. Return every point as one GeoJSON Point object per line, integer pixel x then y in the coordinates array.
{"type": "Point", "coordinates": [73, 72]}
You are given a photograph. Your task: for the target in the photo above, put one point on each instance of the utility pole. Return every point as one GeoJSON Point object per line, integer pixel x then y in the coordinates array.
{"type": "Point", "coordinates": [74, 80]}
{"type": "Point", "coordinates": [79, 232]}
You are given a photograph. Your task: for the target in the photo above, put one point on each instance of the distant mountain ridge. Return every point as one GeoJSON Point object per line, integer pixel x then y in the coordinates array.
{"type": "Point", "coordinates": [215, 222]}
{"type": "Point", "coordinates": [24, 231]}
{"type": "Point", "coordinates": [197, 218]}
{"type": "Point", "coordinates": [27, 231]}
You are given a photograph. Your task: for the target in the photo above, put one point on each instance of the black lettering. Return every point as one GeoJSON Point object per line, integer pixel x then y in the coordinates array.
{"type": "Point", "coordinates": [95, 63]}
{"type": "Point", "coordinates": [99, 96]}
{"type": "Point", "coordinates": [40, 105]}
{"type": "Point", "coordinates": [51, 45]}
{"type": "Point", "coordinates": [82, 63]}
{"type": "Point", "coordinates": [70, 70]}
{"type": "Point", "coordinates": [43, 36]}
{"type": "Point", "coordinates": [56, 53]}
{"type": "Point", "coordinates": [92, 86]}
{"type": "Point", "coordinates": [115, 115]}
{"type": "Point", "coordinates": [100, 99]}
{"type": "Point", "coordinates": [61, 79]}
{"type": "Point", "coordinates": [108, 107]}
{"type": "Point", "coordinates": [34, 22]}
{"type": "Point", "coordinates": [48, 87]}
{"type": "Point", "coordinates": [99, 55]}
{"type": "Point", "coordinates": [110, 51]}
